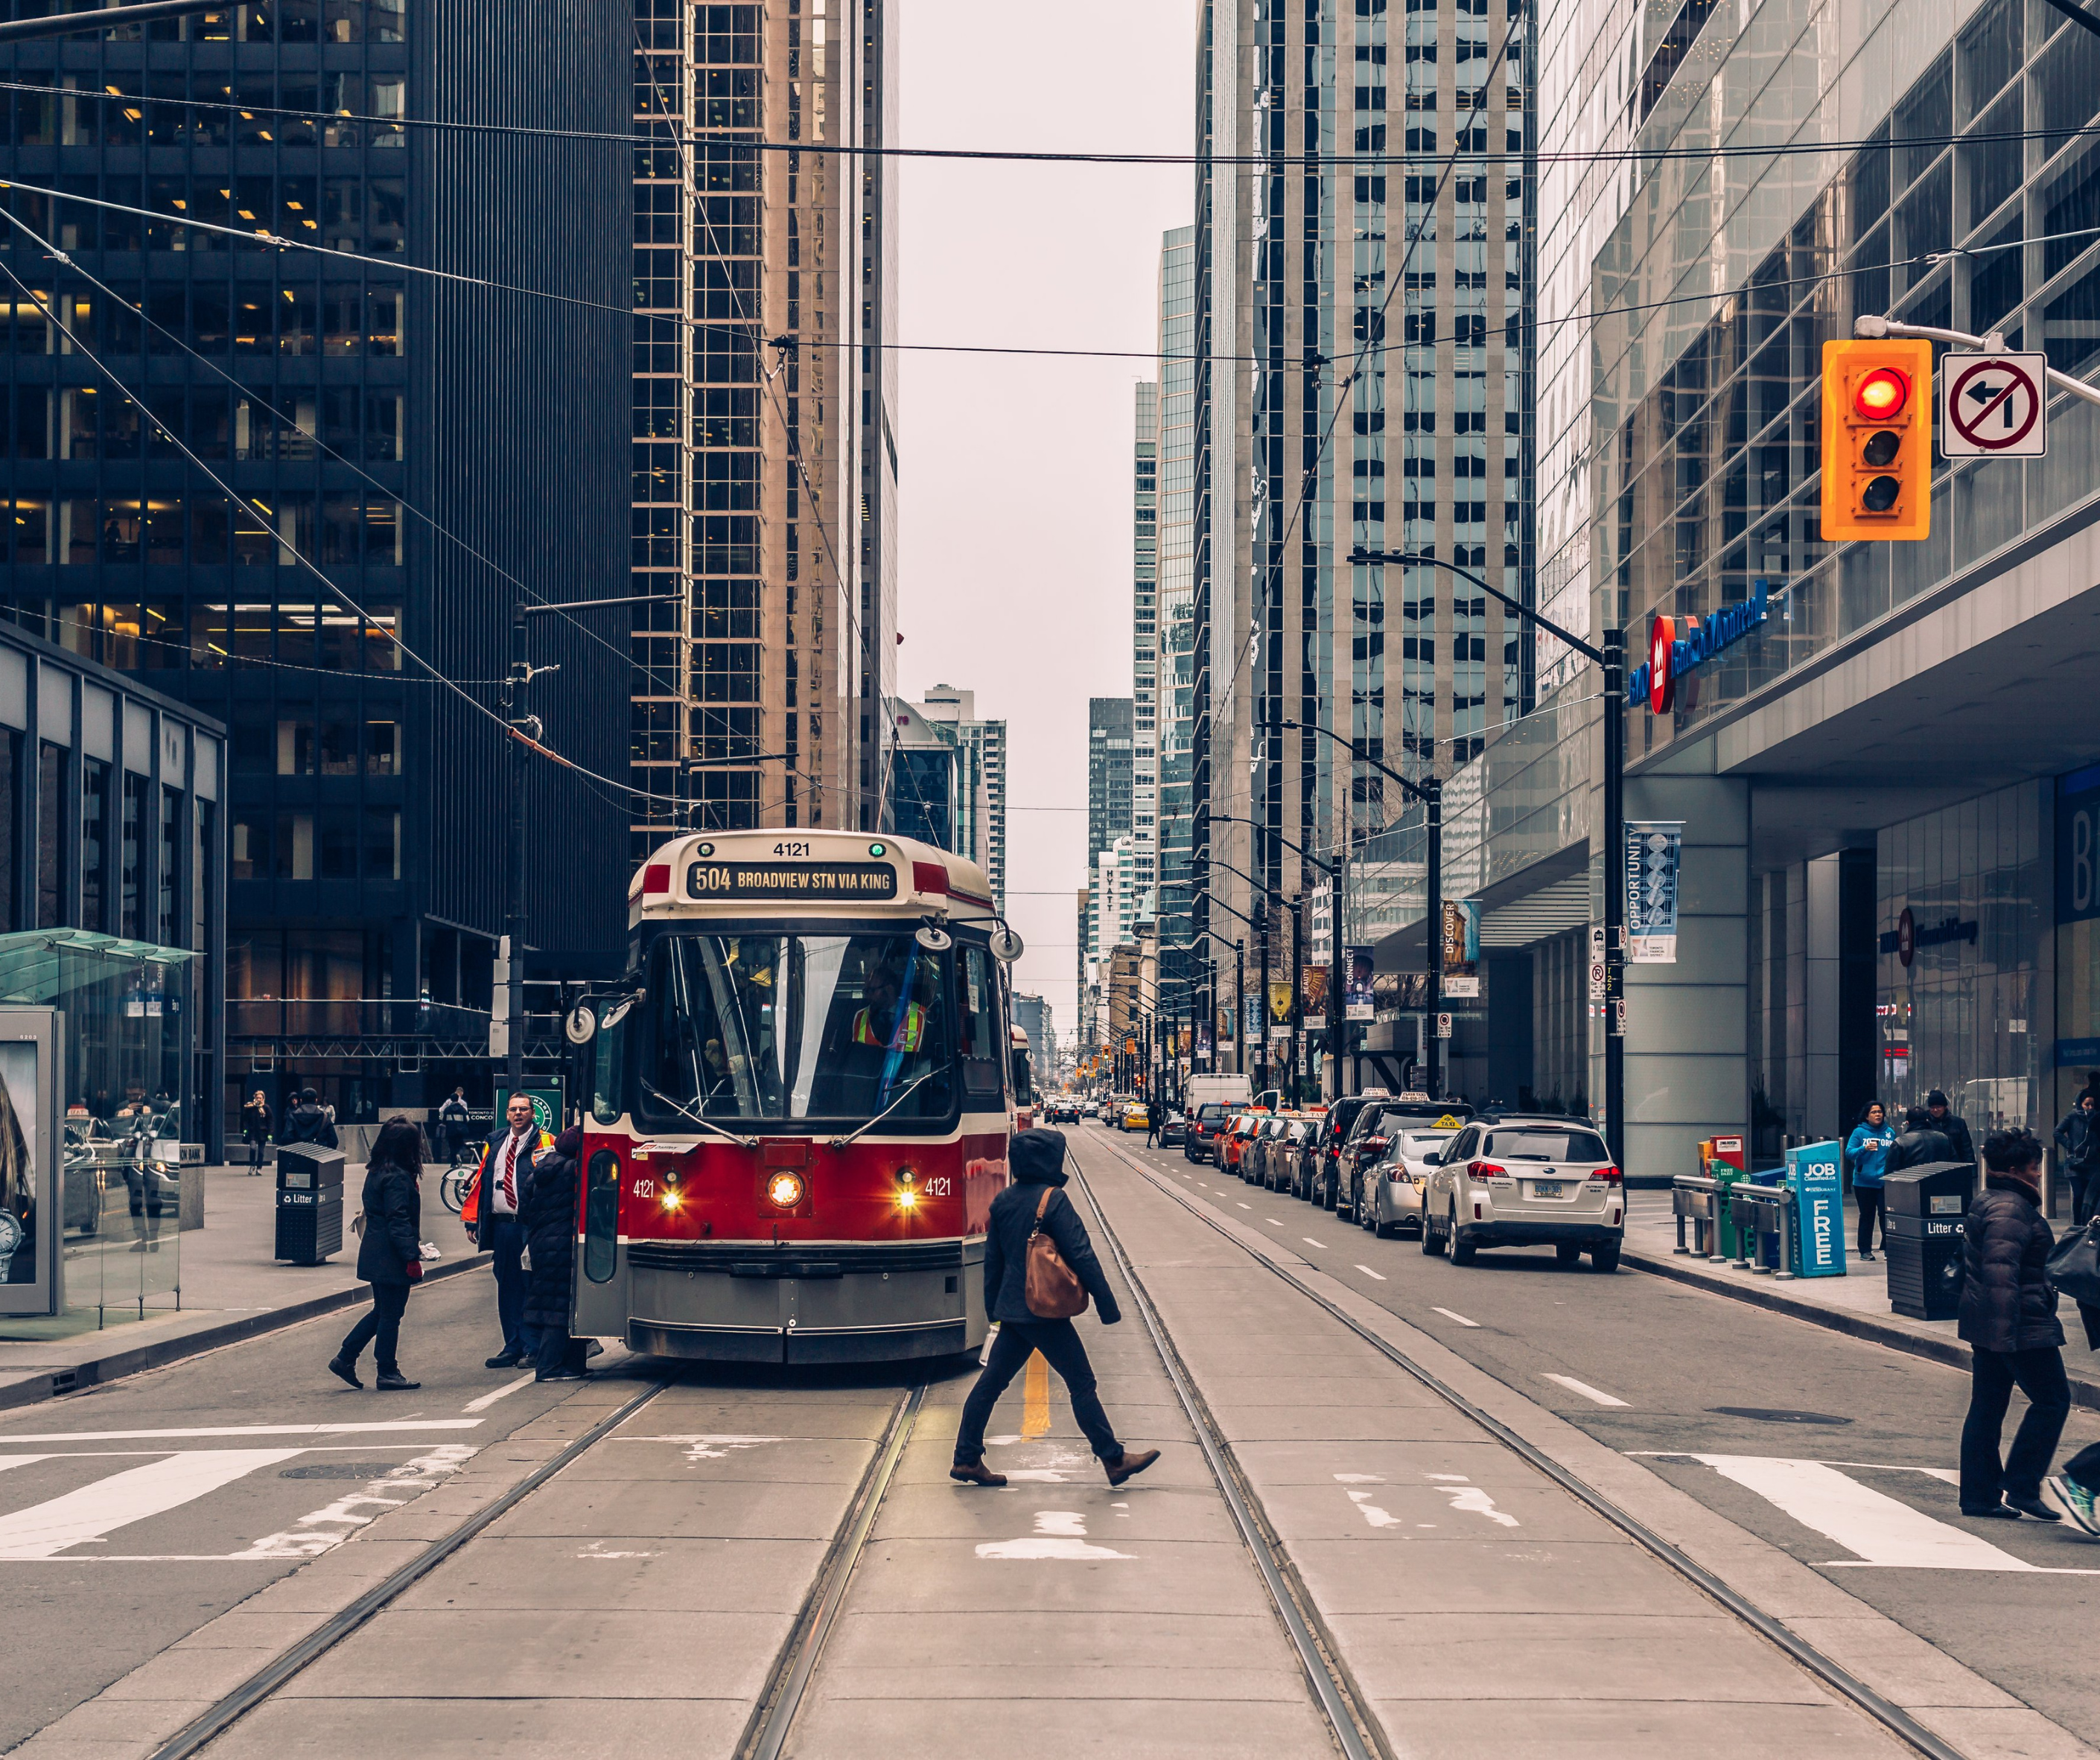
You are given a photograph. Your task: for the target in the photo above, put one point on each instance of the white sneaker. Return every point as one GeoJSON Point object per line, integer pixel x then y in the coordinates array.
{"type": "Point", "coordinates": [2075, 1502]}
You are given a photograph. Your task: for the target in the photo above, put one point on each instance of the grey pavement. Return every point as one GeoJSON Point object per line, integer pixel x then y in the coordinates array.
{"type": "Point", "coordinates": [1837, 1451]}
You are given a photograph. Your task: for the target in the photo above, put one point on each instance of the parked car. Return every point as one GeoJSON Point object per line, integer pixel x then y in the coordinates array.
{"type": "Point", "coordinates": [1210, 1121]}
{"type": "Point", "coordinates": [1305, 1156]}
{"type": "Point", "coordinates": [1232, 1146]}
{"type": "Point", "coordinates": [1323, 1158]}
{"type": "Point", "coordinates": [1260, 1167]}
{"type": "Point", "coordinates": [1525, 1182]}
{"type": "Point", "coordinates": [1398, 1180]}
{"type": "Point", "coordinates": [1173, 1132]}
{"type": "Point", "coordinates": [1375, 1129]}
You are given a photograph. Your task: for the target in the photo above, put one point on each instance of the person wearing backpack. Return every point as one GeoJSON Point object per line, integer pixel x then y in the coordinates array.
{"type": "Point", "coordinates": [1029, 1220]}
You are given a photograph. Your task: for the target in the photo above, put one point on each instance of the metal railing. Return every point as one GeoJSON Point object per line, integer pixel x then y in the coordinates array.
{"type": "Point", "coordinates": [1753, 1211]}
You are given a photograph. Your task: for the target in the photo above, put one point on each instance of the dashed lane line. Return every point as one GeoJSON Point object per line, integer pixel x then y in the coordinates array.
{"type": "Point", "coordinates": [1309, 1240]}
{"type": "Point", "coordinates": [1367, 1271]}
{"type": "Point", "coordinates": [1583, 1387]}
{"type": "Point", "coordinates": [1449, 1315]}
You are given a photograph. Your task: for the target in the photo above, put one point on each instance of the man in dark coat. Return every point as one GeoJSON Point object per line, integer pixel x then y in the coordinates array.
{"type": "Point", "coordinates": [548, 1216]}
{"type": "Point", "coordinates": [1036, 1198]}
{"type": "Point", "coordinates": [2008, 1319]}
{"type": "Point", "coordinates": [1919, 1145]}
{"type": "Point", "coordinates": [2079, 1137]}
{"type": "Point", "coordinates": [308, 1122]}
{"type": "Point", "coordinates": [1951, 1126]}
{"type": "Point", "coordinates": [389, 1253]}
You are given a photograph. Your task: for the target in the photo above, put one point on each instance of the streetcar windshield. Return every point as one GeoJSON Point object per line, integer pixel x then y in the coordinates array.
{"type": "Point", "coordinates": [758, 1028]}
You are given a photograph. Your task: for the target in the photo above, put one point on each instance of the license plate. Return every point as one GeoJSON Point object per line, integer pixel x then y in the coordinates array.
{"type": "Point", "coordinates": [1548, 1188]}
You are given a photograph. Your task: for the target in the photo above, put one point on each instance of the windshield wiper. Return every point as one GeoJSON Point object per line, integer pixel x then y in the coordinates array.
{"type": "Point", "coordinates": [680, 1107]}
{"type": "Point", "coordinates": [903, 1093]}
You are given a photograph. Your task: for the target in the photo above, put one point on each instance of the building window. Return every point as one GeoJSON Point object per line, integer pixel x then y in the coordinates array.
{"type": "Point", "coordinates": [171, 866]}
{"type": "Point", "coordinates": [134, 808]}
{"type": "Point", "coordinates": [50, 835]}
{"type": "Point", "coordinates": [93, 845]}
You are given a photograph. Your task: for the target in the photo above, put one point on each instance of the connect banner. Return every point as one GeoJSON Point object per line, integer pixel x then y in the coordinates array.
{"type": "Point", "coordinates": [1654, 848]}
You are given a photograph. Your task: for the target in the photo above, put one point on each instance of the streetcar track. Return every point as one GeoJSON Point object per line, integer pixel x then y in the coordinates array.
{"type": "Point", "coordinates": [1355, 1732]}
{"type": "Point", "coordinates": [1884, 1711]}
{"type": "Point", "coordinates": [219, 1717]}
{"type": "Point", "coordinates": [773, 1716]}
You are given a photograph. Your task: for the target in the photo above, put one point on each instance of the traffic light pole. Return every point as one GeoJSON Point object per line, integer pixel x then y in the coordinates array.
{"type": "Point", "coordinates": [1875, 329]}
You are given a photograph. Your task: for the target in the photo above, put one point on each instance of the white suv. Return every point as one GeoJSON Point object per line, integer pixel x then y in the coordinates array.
{"type": "Point", "coordinates": [1526, 1182]}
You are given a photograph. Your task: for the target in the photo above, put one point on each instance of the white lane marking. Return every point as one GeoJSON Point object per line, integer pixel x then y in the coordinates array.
{"type": "Point", "coordinates": [1584, 1389]}
{"type": "Point", "coordinates": [488, 1400]}
{"type": "Point", "coordinates": [1367, 1271]}
{"type": "Point", "coordinates": [1272, 1222]}
{"type": "Point", "coordinates": [592, 1551]}
{"type": "Point", "coordinates": [247, 1430]}
{"type": "Point", "coordinates": [1059, 1534]}
{"type": "Point", "coordinates": [1243, 1207]}
{"type": "Point", "coordinates": [1883, 1531]}
{"type": "Point", "coordinates": [327, 1527]}
{"type": "Point", "coordinates": [45, 1529]}
{"type": "Point", "coordinates": [1474, 1500]}
{"type": "Point", "coordinates": [1370, 1512]}
{"type": "Point", "coordinates": [706, 1448]}
{"type": "Point", "coordinates": [1309, 1240]}
{"type": "Point", "coordinates": [1463, 1320]}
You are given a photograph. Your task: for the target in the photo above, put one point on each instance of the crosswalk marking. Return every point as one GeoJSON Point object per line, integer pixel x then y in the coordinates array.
{"type": "Point", "coordinates": [1884, 1533]}
{"type": "Point", "coordinates": [45, 1529]}
{"type": "Point", "coordinates": [245, 1430]}
{"type": "Point", "coordinates": [509, 1387]}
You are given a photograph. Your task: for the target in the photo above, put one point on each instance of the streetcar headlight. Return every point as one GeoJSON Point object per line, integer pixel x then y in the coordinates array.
{"type": "Point", "coordinates": [784, 1190]}
{"type": "Point", "coordinates": [907, 1190]}
{"type": "Point", "coordinates": [673, 1201]}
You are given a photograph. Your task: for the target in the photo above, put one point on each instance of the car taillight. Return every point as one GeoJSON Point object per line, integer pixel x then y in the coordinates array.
{"type": "Point", "coordinates": [1609, 1175]}
{"type": "Point", "coordinates": [1486, 1169]}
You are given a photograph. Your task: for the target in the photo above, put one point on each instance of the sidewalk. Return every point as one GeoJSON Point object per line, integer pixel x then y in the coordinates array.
{"type": "Point", "coordinates": [231, 1289]}
{"type": "Point", "coordinates": [1857, 1303]}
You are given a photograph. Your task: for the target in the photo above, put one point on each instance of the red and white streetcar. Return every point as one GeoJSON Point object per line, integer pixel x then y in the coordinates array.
{"type": "Point", "coordinates": [800, 1102]}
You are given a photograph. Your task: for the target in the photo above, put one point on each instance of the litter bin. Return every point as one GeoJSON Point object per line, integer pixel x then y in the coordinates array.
{"type": "Point", "coordinates": [1925, 1208]}
{"type": "Point", "coordinates": [309, 1202]}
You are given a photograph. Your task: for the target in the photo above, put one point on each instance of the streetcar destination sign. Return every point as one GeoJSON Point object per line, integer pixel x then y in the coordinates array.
{"type": "Point", "coordinates": [799, 880]}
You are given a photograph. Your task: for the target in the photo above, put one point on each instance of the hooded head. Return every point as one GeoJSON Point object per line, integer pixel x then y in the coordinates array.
{"type": "Point", "coordinates": [1936, 1100]}
{"type": "Point", "coordinates": [570, 1143]}
{"type": "Point", "coordinates": [1036, 1158]}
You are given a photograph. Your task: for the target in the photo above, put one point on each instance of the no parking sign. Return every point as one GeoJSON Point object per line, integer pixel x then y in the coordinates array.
{"type": "Point", "coordinates": [1994, 406]}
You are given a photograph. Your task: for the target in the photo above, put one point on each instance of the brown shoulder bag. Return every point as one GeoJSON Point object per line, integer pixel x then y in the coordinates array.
{"type": "Point", "coordinates": [1053, 1291]}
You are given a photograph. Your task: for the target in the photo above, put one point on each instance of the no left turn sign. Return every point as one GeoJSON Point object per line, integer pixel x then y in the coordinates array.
{"type": "Point", "coordinates": [1994, 406]}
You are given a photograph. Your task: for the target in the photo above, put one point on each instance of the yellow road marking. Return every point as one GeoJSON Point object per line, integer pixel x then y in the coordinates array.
{"type": "Point", "coordinates": [1035, 1398]}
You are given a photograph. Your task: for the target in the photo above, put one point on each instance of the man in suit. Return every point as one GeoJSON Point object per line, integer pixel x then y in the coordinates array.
{"type": "Point", "coordinates": [497, 1201]}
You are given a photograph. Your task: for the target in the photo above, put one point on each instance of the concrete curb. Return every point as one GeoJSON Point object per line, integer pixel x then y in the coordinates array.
{"type": "Point", "coordinates": [1764, 1295]}
{"type": "Point", "coordinates": [47, 1385]}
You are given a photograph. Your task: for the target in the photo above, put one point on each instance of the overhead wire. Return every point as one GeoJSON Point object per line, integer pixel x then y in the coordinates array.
{"type": "Point", "coordinates": [1365, 159]}
{"type": "Point", "coordinates": [299, 556]}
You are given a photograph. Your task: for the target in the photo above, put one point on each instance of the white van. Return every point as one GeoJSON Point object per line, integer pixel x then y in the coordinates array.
{"type": "Point", "coordinates": [1227, 1090]}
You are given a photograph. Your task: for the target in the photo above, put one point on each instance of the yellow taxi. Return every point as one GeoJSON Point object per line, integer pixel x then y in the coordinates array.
{"type": "Point", "coordinates": [1136, 1116]}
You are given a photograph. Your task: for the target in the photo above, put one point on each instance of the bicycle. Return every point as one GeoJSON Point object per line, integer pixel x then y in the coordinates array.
{"type": "Point", "coordinates": [453, 1183]}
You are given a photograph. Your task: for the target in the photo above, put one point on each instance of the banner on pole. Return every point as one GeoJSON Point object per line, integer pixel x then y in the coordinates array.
{"type": "Point", "coordinates": [1654, 849]}
{"type": "Point", "coordinates": [1359, 1002]}
{"type": "Point", "coordinates": [1462, 947]}
{"type": "Point", "coordinates": [1314, 998]}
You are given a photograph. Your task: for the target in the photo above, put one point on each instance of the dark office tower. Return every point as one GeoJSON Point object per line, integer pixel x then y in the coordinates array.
{"type": "Point", "coordinates": [765, 470]}
{"type": "Point", "coordinates": [438, 451]}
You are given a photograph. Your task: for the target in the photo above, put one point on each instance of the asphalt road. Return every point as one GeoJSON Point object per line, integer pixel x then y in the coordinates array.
{"type": "Point", "coordinates": [114, 1544]}
{"type": "Point", "coordinates": [1847, 1463]}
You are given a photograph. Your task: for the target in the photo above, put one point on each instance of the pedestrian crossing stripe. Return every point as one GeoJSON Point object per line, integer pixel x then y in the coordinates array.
{"type": "Point", "coordinates": [88, 1515]}
{"type": "Point", "coordinates": [1883, 1532]}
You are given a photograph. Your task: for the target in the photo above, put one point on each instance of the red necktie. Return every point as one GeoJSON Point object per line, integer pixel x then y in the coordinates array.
{"type": "Point", "coordinates": [509, 1167]}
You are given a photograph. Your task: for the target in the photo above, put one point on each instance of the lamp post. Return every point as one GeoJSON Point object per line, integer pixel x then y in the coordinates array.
{"type": "Point", "coordinates": [1339, 1031]}
{"type": "Point", "coordinates": [1239, 982]}
{"type": "Point", "coordinates": [1611, 658]}
{"type": "Point", "coordinates": [1430, 792]}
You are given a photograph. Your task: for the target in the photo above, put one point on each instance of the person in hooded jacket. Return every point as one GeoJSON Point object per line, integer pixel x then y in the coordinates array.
{"type": "Point", "coordinates": [2079, 1137]}
{"type": "Point", "coordinates": [1951, 1125]}
{"type": "Point", "coordinates": [389, 1253]}
{"type": "Point", "coordinates": [308, 1122]}
{"type": "Point", "coordinates": [2009, 1321]}
{"type": "Point", "coordinates": [1866, 1155]}
{"type": "Point", "coordinates": [1035, 1159]}
{"type": "Point", "coordinates": [549, 1214]}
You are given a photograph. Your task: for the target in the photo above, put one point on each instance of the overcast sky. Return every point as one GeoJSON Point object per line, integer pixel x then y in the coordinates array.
{"type": "Point", "coordinates": [1014, 473]}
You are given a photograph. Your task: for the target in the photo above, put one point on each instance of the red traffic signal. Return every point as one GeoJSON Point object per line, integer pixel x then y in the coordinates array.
{"type": "Point", "coordinates": [1880, 395]}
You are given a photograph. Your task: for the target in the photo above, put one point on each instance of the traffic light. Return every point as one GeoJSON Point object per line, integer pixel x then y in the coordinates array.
{"type": "Point", "coordinates": [1877, 439]}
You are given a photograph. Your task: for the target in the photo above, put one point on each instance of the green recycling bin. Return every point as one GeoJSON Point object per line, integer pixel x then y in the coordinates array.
{"type": "Point", "coordinates": [1732, 1244]}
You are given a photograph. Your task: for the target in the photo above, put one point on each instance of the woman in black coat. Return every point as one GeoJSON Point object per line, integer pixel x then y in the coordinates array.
{"type": "Point", "coordinates": [390, 1252]}
{"type": "Point", "coordinates": [256, 1123]}
{"type": "Point", "coordinates": [2008, 1319]}
{"type": "Point", "coordinates": [548, 1214]}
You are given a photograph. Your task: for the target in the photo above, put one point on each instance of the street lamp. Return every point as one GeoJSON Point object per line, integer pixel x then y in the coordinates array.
{"type": "Point", "coordinates": [1611, 657]}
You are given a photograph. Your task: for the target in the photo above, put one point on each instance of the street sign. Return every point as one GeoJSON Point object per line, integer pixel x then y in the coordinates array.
{"type": "Point", "coordinates": [1995, 406]}
{"type": "Point", "coordinates": [1596, 980]}
{"type": "Point", "coordinates": [1443, 1027]}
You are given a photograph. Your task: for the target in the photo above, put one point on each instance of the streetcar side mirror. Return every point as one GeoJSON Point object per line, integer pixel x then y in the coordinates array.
{"type": "Point", "coordinates": [582, 1026]}
{"type": "Point", "coordinates": [1006, 946]}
